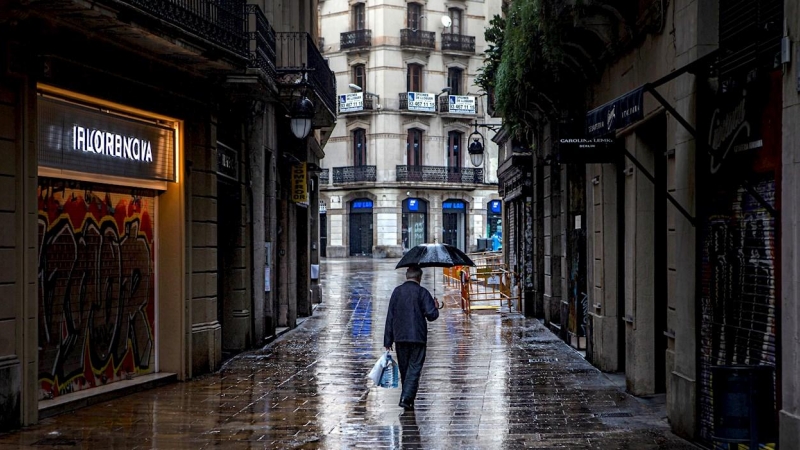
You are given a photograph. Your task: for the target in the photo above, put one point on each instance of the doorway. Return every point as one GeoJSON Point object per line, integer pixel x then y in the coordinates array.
{"type": "Point", "coordinates": [323, 235]}
{"type": "Point", "coordinates": [415, 223]}
{"type": "Point", "coordinates": [454, 223]}
{"type": "Point", "coordinates": [361, 227]}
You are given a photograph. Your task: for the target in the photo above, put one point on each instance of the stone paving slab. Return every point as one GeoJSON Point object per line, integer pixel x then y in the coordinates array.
{"type": "Point", "coordinates": [491, 381]}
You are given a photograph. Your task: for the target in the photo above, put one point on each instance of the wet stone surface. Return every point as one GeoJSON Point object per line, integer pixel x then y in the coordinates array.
{"type": "Point", "coordinates": [491, 381]}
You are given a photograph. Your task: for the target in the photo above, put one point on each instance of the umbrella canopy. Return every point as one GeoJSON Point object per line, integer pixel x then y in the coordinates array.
{"type": "Point", "coordinates": [435, 255]}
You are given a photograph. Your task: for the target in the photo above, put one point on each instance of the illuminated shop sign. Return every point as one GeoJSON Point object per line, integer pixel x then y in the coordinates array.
{"type": "Point", "coordinates": [495, 206]}
{"type": "Point", "coordinates": [86, 139]}
{"type": "Point", "coordinates": [453, 205]}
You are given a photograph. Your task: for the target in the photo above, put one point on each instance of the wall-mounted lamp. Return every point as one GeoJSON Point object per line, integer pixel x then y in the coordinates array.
{"type": "Point", "coordinates": [475, 148]}
{"type": "Point", "coordinates": [302, 111]}
{"type": "Point", "coordinates": [358, 88]}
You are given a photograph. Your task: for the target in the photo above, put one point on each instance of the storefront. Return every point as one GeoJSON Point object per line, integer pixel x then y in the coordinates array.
{"type": "Point", "coordinates": [101, 172]}
{"type": "Point", "coordinates": [740, 260]}
{"type": "Point", "coordinates": [415, 222]}
{"type": "Point", "coordinates": [494, 224]}
{"type": "Point", "coordinates": [361, 227]}
{"type": "Point", "coordinates": [453, 223]}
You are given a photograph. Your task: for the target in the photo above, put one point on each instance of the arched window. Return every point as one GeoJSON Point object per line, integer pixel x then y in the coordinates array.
{"type": "Point", "coordinates": [454, 141]}
{"type": "Point", "coordinates": [359, 16]}
{"type": "Point", "coordinates": [414, 78]}
{"type": "Point", "coordinates": [360, 76]}
{"type": "Point", "coordinates": [414, 147]}
{"type": "Point", "coordinates": [455, 17]}
{"type": "Point", "coordinates": [359, 147]}
{"type": "Point", "coordinates": [454, 76]}
{"type": "Point", "coordinates": [414, 16]}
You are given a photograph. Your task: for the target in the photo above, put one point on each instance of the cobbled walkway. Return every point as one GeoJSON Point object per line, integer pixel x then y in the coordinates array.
{"type": "Point", "coordinates": [491, 381]}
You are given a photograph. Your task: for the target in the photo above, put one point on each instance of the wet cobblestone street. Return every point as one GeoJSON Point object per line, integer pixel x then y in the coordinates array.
{"type": "Point", "coordinates": [491, 381]}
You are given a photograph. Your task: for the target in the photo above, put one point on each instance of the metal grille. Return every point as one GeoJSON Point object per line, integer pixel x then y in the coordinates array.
{"type": "Point", "coordinates": [295, 51]}
{"type": "Point", "coordinates": [355, 39]}
{"type": "Point", "coordinates": [458, 42]}
{"type": "Point", "coordinates": [417, 38]}
{"type": "Point", "coordinates": [738, 301]}
{"type": "Point", "coordinates": [262, 42]}
{"type": "Point", "coordinates": [440, 174]}
{"type": "Point", "coordinates": [354, 174]}
{"type": "Point", "coordinates": [749, 34]}
{"type": "Point", "coordinates": [324, 176]}
{"type": "Point", "coordinates": [222, 22]}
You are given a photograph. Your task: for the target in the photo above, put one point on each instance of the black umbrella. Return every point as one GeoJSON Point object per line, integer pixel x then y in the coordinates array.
{"type": "Point", "coordinates": [434, 255]}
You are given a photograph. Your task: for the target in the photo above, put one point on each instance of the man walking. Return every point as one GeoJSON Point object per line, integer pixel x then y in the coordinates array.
{"type": "Point", "coordinates": [409, 307]}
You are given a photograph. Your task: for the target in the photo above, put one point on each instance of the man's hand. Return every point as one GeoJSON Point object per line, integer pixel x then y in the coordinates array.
{"type": "Point", "coordinates": [436, 302]}
{"type": "Point", "coordinates": [388, 349]}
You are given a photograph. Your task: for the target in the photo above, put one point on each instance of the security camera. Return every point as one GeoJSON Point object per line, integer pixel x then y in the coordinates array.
{"type": "Point", "coordinates": [408, 194]}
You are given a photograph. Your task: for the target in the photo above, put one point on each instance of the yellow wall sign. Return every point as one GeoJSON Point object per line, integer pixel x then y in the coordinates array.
{"type": "Point", "coordinates": [299, 184]}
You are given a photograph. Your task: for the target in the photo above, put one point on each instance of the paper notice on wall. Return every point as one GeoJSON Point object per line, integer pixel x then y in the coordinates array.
{"type": "Point", "coordinates": [315, 271]}
{"type": "Point", "coordinates": [266, 279]}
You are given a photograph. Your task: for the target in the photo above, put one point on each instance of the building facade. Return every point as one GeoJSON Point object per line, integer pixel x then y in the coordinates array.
{"type": "Point", "coordinates": [661, 206]}
{"type": "Point", "coordinates": [154, 215]}
{"type": "Point", "coordinates": [398, 172]}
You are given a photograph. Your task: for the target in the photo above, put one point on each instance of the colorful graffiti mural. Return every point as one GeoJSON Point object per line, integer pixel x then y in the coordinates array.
{"type": "Point", "coordinates": [739, 301]}
{"type": "Point", "coordinates": [96, 291]}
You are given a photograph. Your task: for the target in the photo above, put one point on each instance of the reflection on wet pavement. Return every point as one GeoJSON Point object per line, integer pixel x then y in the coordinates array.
{"type": "Point", "coordinates": [491, 381]}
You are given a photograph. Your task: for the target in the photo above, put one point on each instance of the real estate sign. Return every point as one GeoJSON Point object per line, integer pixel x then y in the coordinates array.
{"type": "Point", "coordinates": [421, 101]}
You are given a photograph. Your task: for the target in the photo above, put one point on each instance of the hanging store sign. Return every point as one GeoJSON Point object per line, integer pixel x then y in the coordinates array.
{"type": "Point", "coordinates": [299, 184]}
{"type": "Point", "coordinates": [351, 102]}
{"type": "Point", "coordinates": [461, 104]}
{"type": "Point", "coordinates": [616, 114]}
{"type": "Point", "coordinates": [587, 151]}
{"type": "Point", "coordinates": [86, 139]}
{"type": "Point", "coordinates": [227, 162]}
{"type": "Point", "coordinates": [495, 206]}
{"type": "Point", "coordinates": [421, 101]}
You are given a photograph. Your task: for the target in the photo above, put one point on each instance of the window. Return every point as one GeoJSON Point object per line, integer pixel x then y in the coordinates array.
{"type": "Point", "coordinates": [414, 147]}
{"type": "Point", "coordinates": [454, 75]}
{"type": "Point", "coordinates": [359, 147]}
{"type": "Point", "coordinates": [360, 76]}
{"type": "Point", "coordinates": [358, 16]}
{"type": "Point", "coordinates": [414, 16]}
{"type": "Point", "coordinates": [414, 78]}
{"type": "Point", "coordinates": [455, 17]}
{"type": "Point", "coordinates": [454, 139]}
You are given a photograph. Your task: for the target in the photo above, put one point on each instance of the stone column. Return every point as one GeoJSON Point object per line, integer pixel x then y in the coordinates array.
{"type": "Point", "coordinates": [256, 136]}
{"type": "Point", "coordinates": [790, 243]}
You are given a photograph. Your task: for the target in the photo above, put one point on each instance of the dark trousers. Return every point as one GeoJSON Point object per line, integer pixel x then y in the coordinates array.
{"type": "Point", "coordinates": [410, 358]}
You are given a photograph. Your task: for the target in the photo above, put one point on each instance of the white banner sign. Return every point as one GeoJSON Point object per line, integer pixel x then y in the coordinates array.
{"type": "Point", "coordinates": [351, 102]}
{"type": "Point", "coordinates": [421, 101]}
{"type": "Point", "coordinates": [462, 104]}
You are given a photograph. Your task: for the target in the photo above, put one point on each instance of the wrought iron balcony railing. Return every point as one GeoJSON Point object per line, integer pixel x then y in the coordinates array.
{"type": "Point", "coordinates": [262, 41]}
{"type": "Point", "coordinates": [354, 174]}
{"type": "Point", "coordinates": [417, 38]}
{"type": "Point", "coordinates": [324, 176]}
{"type": "Point", "coordinates": [440, 174]}
{"type": "Point", "coordinates": [223, 23]}
{"type": "Point", "coordinates": [355, 39]}
{"type": "Point", "coordinates": [458, 43]}
{"type": "Point", "coordinates": [295, 51]}
{"type": "Point", "coordinates": [444, 107]}
{"type": "Point", "coordinates": [403, 98]}
{"type": "Point", "coordinates": [369, 104]}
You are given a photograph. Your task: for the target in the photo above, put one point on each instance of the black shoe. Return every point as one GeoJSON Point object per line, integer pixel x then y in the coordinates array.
{"type": "Point", "coordinates": [405, 404]}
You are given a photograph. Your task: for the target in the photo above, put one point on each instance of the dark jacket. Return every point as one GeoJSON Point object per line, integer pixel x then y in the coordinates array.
{"type": "Point", "coordinates": [409, 306]}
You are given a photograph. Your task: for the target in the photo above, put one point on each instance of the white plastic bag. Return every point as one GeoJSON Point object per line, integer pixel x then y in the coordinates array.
{"type": "Point", "coordinates": [385, 372]}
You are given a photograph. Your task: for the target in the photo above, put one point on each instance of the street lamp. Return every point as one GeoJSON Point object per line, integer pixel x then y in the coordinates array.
{"type": "Point", "coordinates": [475, 148]}
{"type": "Point", "coordinates": [302, 114]}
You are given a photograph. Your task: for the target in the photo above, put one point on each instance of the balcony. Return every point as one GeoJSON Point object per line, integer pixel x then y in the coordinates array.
{"type": "Point", "coordinates": [221, 23]}
{"type": "Point", "coordinates": [368, 105]}
{"type": "Point", "coordinates": [354, 174]}
{"type": "Point", "coordinates": [440, 174]}
{"type": "Point", "coordinates": [417, 39]}
{"type": "Point", "coordinates": [353, 40]}
{"type": "Point", "coordinates": [422, 102]}
{"type": "Point", "coordinates": [458, 105]}
{"type": "Point", "coordinates": [296, 51]}
{"type": "Point", "coordinates": [324, 177]}
{"type": "Point", "coordinates": [262, 42]}
{"type": "Point", "coordinates": [458, 43]}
